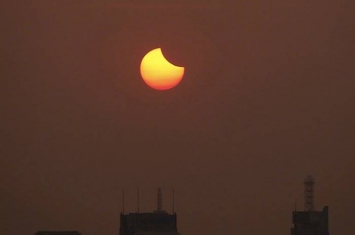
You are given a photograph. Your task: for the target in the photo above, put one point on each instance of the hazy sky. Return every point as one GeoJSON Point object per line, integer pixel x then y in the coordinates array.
{"type": "Point", "coordinates": [267, 98]}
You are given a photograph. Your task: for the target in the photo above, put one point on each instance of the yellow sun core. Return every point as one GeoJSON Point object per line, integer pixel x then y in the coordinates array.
{"type": "Point", "coordinates": [158, 73]}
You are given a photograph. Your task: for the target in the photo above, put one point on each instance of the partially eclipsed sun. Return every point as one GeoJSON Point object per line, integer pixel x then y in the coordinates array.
{"type": "Point", "coordinates": [158, 73]}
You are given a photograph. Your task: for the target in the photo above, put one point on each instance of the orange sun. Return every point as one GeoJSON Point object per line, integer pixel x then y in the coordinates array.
{"type": "Point", "coordinates": [158, 73]}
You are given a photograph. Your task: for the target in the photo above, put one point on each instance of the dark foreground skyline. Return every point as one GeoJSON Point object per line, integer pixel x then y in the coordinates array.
{"type": "Point", "coordinates": [267, 98]}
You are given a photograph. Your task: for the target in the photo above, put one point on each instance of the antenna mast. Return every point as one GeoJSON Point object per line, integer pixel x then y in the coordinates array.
{"type": "Point", "coordinates": [173, 201]}
{"type": "Point", "coordinates": [309, 193]}
{"type": "Point", "coordinates": [159, 201]}
{"type": "Point", "coordinates": [295, 205]}
{"type": "Point", "coordinates": [138, 200]}
{"type": "Point", "coordinates": [123, 201]}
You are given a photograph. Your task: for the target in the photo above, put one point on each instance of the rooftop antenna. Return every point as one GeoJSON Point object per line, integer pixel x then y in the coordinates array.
{"type": "Point", "coordinates": [123, 201]}
{"type": "Point", "coordinates": [138, 200]}
{"type": "Point", "coordinates": [173, 201]}
{"type": "Point", "coordinates": [309, 193]}
{"type": "Point", "coordinates": [295, 205]}
{"type": "Point", "coordinates": [159, 201]}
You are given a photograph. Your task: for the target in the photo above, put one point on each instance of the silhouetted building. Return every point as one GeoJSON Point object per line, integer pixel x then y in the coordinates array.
{"type": "Point", "coordinates": [57, 233]}
{"type": "Point", "coordinates": [309, 221]}
{"type": "Point", "coordinates": [158, 222]}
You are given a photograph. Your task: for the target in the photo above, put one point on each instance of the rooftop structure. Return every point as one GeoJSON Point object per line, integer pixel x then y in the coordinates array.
{"type": "Point", "coordinates": [57, 233]}
{"type": "Point", "coordinates": [310, 221]}
{"type": "Point", "coordinates": [158, 222]}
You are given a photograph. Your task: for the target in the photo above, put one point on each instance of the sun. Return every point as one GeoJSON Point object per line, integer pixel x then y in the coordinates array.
{"type": "Point", "coordinates": [158, 73]}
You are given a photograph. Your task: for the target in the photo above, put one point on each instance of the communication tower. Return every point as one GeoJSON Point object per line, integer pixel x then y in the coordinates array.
{"type": "Point", "coordinates": [309, 193]}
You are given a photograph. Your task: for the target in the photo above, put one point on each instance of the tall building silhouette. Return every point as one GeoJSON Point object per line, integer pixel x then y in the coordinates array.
{"type": "Point", "coordinates": [158, 222]}
{"type": "Point", "coordinates": [310, 221]}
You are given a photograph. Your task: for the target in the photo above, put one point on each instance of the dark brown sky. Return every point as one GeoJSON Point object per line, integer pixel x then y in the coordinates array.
{"type": "Point", "coordinates": [267, 98]}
